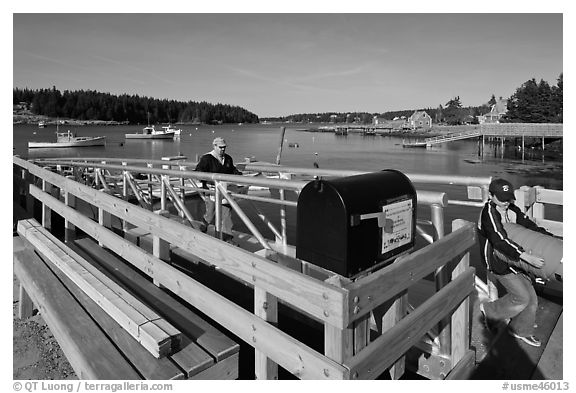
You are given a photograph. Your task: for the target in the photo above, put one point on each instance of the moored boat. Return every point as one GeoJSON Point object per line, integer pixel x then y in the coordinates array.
{"type": "Point", "coordinates": [69, 139]}
{"type": "Point", "coordinates": [169, 128]}
{"type": "Point", "coordinates": [150, 132]}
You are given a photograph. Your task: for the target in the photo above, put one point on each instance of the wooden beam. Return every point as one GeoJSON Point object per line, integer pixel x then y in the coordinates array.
{"type": "Point", "coordinates": [394, 314]}
{"type": "Point", "coordinates": [387, 348]}
{"type": "Point", "coordinates": [460, 327]}
{"type": "Point", "coordinates": [224, 370]}
{"type": "Point", "coordinates": [265, 307]}
{"type": "Point", "coordinates": [88, 350]}
{"type": "Point", "coordinates": [324, 301]}
{"type": "Point", "coordinates": [25, 304]}
{"type": "Point", "coordinates": [123, 307]}
{"type": "Point", "coordinates": [204, 334]}
{"type": "Point", "coordinates": [553, 197]}
{"type": "Point", "coordinates": [384, 284]}
{"type": "Point", "coordinates": [146, 364]}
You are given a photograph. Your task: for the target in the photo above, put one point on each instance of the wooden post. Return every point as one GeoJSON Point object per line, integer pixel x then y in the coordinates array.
{"type": "Point", "coordinates": [395, 313]}
{"type": "Point", "coordinates": [46, 212]}
{"type": "Point", "coordinates": [69, 228]}
{"type": "Point", "coordinates": [182, 190]}
{"type": "Point", "coordinates": [29, 198]}
{"type": "Point", "coordinates": [441, 278]}
{"type": "Point", "coordinates": [280, 145]}
{"type": "Point", "coordinates": [25, 305]}
{"type": "Point", "coordinates": [163, 192]}
{"type": "Point", "coordinates": [150, 186]}
{"type": "Point", "coordinates": [105, 220]}
{"type": "Point", "coordinates": [265, 307]}
{"type": "Point", "coordinates": [218, 210]}
{"type": "Point", "coordinates": [522, 147]}
{"type": "Point", "coordinates": [538, 209]}
{"type": "Point", "coordinates": [338, 343]}
{"type": "Point", "coordinates": [460, 332]}
{"type": "Point", "coordinates": [124, 183]}
{"type": "Point", "coordinates": [160, 247]}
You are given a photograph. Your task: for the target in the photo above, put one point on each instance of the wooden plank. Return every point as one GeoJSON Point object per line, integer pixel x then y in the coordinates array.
{"type": "Point", "coordinates": [227, 369]}
{"type": "Point", "coordinates": [294, 356]}
{"type": "Point", "coordinates": [88, 350]}
{"type": "Point", "coordinates": [554, 197]}
{"type": "Point", "coordinates": [324, 301]}
{"type": "Point", "coordinates": [384, 284]}
{"type": "Point", "coordinates": [85, 276]}
{"type": "Point", "coordinates": [265, 307]}
{"type": "Point", "coordinates": [460, 329]}
{"type": "Point", "coordinates": [554, 227]}
{"type": "Point", "coordinates": [204, 334]}
{"type": "Point", "coordinates": [146, 364]}
{"type": "Point", "coordinates": [191, 358]}
{"type": "Point", "coordinates": [464, 368]}
{"type": "Point", "coordinates": [391, 317]}
{"type": "Point", "coordinates": [46, 212]}
{"type": "Point", "coordinates": [117, 302]}
{"type": "Point", "coordinates": [25, 304]}
{"type": "Point", "coordinates": [387, 348]}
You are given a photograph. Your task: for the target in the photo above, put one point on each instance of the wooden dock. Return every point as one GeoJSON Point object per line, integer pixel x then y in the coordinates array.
{"type": "Point", "coordinates": [496, 130]}
{"type": "Point", "coordinates": [365, 328]}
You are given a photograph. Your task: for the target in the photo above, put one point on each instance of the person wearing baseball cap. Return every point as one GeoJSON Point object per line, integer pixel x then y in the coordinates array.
{"type": "Point", "coordinates": [217, 161]}
{"type": "Point", "coordinates": [502, 256]}
{"type": "Point", "coordinates": [502, 189]}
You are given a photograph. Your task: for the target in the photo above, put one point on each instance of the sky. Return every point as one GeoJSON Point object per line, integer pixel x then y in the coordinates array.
{"type": "Point", "coordinates": [277, 64]}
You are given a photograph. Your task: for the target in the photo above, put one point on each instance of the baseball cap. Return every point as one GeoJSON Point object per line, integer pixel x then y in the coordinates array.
{"type": "Point", "coordinates": [219, 142]}
{"type": "Point", "coordinates": [503, 189]}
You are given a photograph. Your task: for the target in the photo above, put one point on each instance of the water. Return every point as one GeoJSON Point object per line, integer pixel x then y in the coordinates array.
{"type": "Point", "coordinates": [369, 153]}
{"type": "Point", "coordinates": [354, 151]}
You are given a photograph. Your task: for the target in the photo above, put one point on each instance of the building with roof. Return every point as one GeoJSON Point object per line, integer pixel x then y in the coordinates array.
{"type": "Point", "coordinates": [420, 119]}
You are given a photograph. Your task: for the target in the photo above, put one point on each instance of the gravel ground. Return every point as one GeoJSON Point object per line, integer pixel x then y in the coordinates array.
{"type": "Point", "coordinates": [35, 352]}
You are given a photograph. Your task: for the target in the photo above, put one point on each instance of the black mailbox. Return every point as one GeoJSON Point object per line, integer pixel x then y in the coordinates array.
{"type": "Point", "coordinates": [348, 225]}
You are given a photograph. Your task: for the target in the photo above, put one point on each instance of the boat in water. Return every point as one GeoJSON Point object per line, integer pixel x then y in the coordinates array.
{"type": "Point", "coordinates": [149, 132]}
{"type": "Point", "coordinates": [69, 139]}
{"type": "Point", "coordinates": [169, 128]}
{"type": "Point", "coordinates": [41, 124]}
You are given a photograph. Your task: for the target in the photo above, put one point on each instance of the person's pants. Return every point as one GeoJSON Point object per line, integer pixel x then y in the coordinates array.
{"type": "Point", "coordinates": [226, 216]}
{"type": "Point", "coordinates": [519, 304]}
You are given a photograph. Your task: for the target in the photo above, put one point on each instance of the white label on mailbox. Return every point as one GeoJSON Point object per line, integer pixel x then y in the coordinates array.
{"type": "Point", "coordinates": [397, 228]}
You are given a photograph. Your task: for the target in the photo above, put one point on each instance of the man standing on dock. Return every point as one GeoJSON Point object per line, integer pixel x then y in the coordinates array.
{"type": "Point", "coordinates": [502, 256]}
{"type": "Point", "coordinates": [217, 161]}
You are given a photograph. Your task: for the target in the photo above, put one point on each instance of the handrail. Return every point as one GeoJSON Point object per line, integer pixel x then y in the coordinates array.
{"type": "Point", "coordinates": [437, 201]}
{"type": "Point", "coordinates": [414, 177]}
{"type": "Point", "coordinates": [342, 306]}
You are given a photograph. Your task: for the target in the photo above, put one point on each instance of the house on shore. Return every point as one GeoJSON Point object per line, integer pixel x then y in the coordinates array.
{"type": "Point", "coordinates": [420, 119]}
{"type": "Point", "coordinates": [496, 112]}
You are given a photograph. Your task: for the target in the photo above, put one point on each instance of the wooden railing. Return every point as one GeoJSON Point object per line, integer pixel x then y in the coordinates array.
{"type": "Point", "coordinates": [533, 201]}
{"type": "Point", "coordinates": [351, 312]}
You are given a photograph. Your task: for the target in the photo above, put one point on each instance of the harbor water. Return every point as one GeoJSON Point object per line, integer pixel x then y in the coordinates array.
{"type": "Point", "coordinates": [325, 149]}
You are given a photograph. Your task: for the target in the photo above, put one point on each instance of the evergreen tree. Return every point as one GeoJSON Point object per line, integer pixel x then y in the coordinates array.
{"type": "Point", "coordinates": [452, 113]}
{"type": "Point", "coordinates": [536, 103]}
{"type": "Point", "coordinates": [492, 101]}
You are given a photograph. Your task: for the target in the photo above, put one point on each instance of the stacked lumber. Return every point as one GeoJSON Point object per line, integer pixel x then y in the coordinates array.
{"type": "Point", "coordinates": [153, 332]}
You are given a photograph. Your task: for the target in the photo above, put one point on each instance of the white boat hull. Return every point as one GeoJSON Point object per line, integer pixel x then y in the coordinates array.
{"type": "Point", "coordinates": [97, 141]}
{"type": "Point", "coordinates": [169, 135]}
